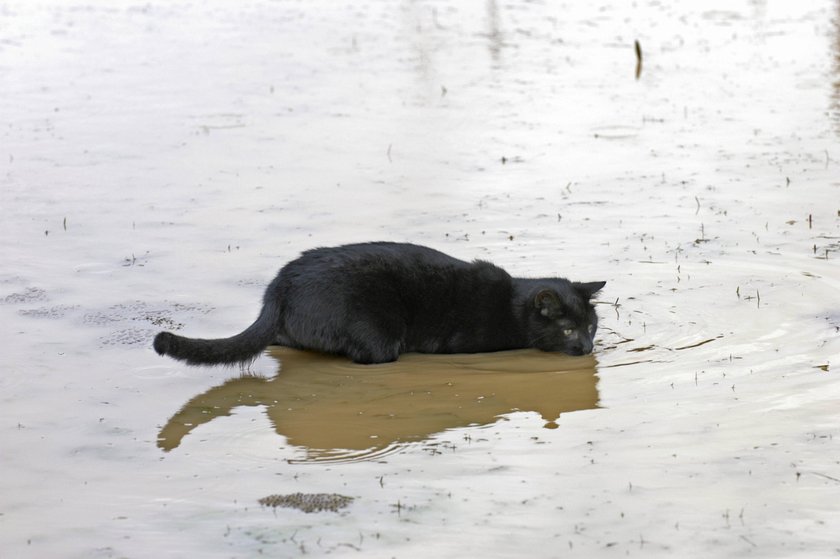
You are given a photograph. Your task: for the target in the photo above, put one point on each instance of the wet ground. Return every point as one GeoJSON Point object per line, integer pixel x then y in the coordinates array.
{"type": "Point", "coordinates": [161, 161]}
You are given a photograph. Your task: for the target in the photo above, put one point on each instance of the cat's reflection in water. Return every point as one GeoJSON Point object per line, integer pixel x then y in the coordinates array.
{"type": "Point", "coordinates": [335, 409]}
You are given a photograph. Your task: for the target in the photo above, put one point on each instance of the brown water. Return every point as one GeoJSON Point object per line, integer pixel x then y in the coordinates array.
{"type": "Point", "coordinates": [161, 161]}
{"type": "Point", "coordinates": [333, 409]}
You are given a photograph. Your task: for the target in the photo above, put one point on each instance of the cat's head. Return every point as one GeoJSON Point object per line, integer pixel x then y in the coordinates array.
{"type": "Point", "coordinates": [563, 318]}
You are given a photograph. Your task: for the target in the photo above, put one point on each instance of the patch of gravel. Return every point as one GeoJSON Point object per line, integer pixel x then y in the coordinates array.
{"type": "Point", "coordinates": [28, 295]}
{"type": "Point", "coordinates": [58, 311]}
{"type": "Point", "coordinates": [308, 502]}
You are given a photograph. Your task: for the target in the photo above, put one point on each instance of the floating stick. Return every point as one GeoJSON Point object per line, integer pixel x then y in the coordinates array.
{"type": "Point", "coordinates": [638, 59]}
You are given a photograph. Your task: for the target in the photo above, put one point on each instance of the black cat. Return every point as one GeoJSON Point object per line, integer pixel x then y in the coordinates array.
{"type": "Point", "coordinates": [374, 301]}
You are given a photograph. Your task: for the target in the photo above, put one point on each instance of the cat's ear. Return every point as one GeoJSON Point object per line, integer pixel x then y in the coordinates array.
{"type": "Point", "coordinates": [589, 289]}
{"type": "Point", "coordinates": [547, 302]}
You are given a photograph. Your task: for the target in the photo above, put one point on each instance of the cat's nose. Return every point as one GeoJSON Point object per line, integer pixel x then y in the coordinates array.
{"type": "Point", "coordinates": [581, 347]}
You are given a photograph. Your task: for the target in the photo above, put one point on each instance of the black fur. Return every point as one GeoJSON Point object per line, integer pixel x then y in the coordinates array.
{"type": "Point", "coordinates": [374, 301]}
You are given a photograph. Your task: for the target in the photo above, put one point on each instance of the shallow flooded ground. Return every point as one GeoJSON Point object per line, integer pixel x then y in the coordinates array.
{"type": "Point", "coordinates": [161, 161]}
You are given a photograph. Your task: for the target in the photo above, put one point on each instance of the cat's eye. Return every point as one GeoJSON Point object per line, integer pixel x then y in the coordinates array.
{"type": "Point", "coordinates": [568, 331]}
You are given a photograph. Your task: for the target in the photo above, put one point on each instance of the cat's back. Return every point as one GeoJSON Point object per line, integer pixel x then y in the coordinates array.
{"type": "Point", "coordinates": [372, 257]}
{"type": "Point", "coordinates": [371, 274]}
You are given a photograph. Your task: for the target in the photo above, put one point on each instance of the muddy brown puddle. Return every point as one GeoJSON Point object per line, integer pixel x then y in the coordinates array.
{"type": "Point", "coordinates": [160, 162]}
{"type": "Point", "coordinates": [335, 410]}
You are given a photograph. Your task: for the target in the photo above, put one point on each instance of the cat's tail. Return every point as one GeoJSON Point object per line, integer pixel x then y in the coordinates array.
{"type": "Point", "coordinates": [240, 348]}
